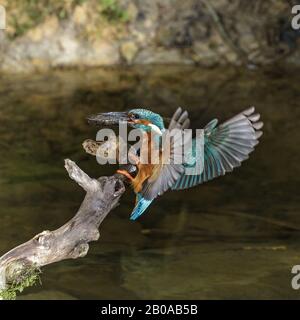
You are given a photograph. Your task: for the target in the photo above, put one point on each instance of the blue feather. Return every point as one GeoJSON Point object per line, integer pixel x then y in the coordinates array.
{"type": "Point", "coordinates": [141, 205]}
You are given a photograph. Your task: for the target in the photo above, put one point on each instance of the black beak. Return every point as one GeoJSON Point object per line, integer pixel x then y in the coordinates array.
{"type": "Point", "coordinates": [108, 118]}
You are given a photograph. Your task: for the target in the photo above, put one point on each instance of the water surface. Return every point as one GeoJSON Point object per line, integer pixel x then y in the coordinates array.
{"type": "Point", "coordinates": [234, 237]}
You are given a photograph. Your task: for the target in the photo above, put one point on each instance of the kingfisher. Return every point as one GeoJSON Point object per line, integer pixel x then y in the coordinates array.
{"type": "Point", "coordinates": [225, 147]}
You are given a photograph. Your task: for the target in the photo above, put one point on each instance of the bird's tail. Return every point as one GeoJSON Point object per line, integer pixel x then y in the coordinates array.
{"type": "Point", "coordinates": [140, 206]}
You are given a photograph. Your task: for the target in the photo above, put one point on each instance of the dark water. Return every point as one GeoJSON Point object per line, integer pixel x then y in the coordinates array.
{"type": "Point", "coordinates": [235, 237]}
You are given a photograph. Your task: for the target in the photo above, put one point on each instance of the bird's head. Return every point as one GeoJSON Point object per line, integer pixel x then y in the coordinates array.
{"type": "Point", "coordinates": [146, 120]}
{"type": "Point", "coordinates": [143, 119]}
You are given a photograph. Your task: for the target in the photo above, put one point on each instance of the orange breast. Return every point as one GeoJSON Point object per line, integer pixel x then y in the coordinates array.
{"type": "Point", "coordinates": [145, 171]}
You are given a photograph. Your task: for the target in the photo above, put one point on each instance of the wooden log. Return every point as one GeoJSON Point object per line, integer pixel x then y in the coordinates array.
{"type": "Point", "coordinates": [71, 240]}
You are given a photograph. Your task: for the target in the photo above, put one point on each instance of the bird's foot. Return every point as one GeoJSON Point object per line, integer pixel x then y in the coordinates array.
{"type": "Point", "coordinates": [126, 174]}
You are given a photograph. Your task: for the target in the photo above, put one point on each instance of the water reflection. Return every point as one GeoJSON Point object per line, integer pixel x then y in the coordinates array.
{"type": "Point", "coordinates": [234, 237]}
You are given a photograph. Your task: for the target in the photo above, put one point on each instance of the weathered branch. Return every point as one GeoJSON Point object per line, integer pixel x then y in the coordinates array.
{"type": "Point", "coordinates": [71, 240]}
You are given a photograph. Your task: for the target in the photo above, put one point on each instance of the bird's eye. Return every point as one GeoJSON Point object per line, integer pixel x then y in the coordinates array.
{"type": "Point", "coordinates": [134, 116]}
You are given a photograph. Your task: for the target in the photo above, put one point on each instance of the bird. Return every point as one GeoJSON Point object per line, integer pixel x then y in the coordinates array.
{"type": "Point", "coordinates": [225, 147]}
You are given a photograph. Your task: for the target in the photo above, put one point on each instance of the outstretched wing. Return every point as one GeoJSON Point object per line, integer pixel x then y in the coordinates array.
{"type": "Point", "coordinates": [225, 147]}
{"type": "Point", "coordinates": [180, 120]}
{"type": "Point", "coordinates": [168, 171]}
